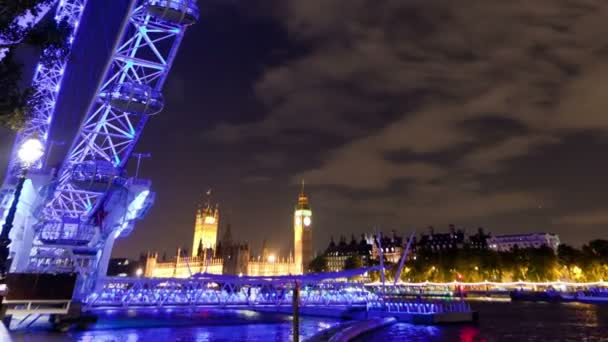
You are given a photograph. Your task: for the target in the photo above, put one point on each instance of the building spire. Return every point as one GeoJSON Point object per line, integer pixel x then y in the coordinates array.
{"type": "Point", "coordinates": [208, 195]}
{"type": "Point", "coordinates": [302, 198]}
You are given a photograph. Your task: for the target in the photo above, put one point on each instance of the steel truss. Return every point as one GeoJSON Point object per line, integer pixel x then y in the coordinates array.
{"type": "Point", "coordinates": [144, 56]}
{"type": "Point", "coordinates": [212, 291]}
{"type": "Point", "coordinates": [76, 220]}
{"type": "Point", "coordinates": [47, 83]}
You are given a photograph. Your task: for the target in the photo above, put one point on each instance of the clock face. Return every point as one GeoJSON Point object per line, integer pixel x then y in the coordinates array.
{"type": "Point", "coordinates": [307, 221]}
{"type": "Point", "coordinates": [298, 220]}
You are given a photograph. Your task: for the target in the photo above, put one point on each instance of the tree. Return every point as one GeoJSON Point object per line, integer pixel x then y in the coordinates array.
{"type": "Point", "coordinates": [318, 264]}
{"type": "Point", "coordinates": [568, 255]}
{"type": "Point", "coordinates": [571, 261]}
{"type": "Point", "coordinates": [16, 103]}
{"type": "Point", "coordinates": [543, 264]}
{"type": "Point", "coordinates": [597, 249]}
{"type": "Point", "coordinates": [13, 102]}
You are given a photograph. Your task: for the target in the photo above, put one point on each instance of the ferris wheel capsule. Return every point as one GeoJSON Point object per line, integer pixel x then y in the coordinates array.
{"type": "Point", "coordinates": [96, 176]}
{"type": "Point", "coordinates": [136, 98]}
{"type": "Point", "coordinates": [70, 230]}
{"type": "Point", "coordinates": [175, 11]}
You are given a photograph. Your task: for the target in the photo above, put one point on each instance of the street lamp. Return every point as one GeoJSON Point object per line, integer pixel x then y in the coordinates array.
{"type": "Point", "coordinates": [29, 153]}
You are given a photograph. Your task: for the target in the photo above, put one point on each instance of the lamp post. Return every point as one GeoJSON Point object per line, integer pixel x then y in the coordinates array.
{"type": "Point", "coordinates": [29, 153]}
{"type": "Point", "coordinates": [139, 156]}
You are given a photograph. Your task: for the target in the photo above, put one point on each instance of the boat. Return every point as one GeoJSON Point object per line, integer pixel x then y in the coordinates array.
{"type": "Point", "coordinates": [536, 296]}
{"type": "Point", "coordinates": [591, 297]}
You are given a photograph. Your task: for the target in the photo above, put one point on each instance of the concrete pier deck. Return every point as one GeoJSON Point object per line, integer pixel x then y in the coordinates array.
{"type": "Point", "coordinates": [349, 330]}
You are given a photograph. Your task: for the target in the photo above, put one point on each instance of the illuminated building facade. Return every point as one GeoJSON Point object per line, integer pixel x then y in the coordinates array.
{"type": "Point", "coordinates": [231, 257]}
{"type": "Point", "coordinates": [392, 247]}
{"type": "Point", "coordinates": [337, 254]}
{"type": "Point", "coordinates": [440, 242]}
{"type": "Point", "coordinates": [504, 243]}
{"type": "Point", "coordinates": [181, 266]}
{"type": "Point", "coordinates": [302, 228]}
{"type": "Point", "coordinates": [205, 229]}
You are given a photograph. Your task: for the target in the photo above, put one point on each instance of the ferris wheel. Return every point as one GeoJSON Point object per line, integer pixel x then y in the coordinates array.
{"type": "Point", "coordinates": [68, 221]}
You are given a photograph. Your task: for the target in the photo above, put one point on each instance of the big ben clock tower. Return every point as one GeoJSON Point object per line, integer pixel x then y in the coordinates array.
{"type": "Point", "coordinates": [302, 227]}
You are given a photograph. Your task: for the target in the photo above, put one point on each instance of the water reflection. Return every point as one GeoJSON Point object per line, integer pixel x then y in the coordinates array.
{"type": "Point", "coordinates": [512, 322]}
{"type": "Point", "coordinates": [469, 334]}
{"type": "Point", "coordinates": [498, 322]}
{"type": "Point", "coordinates": [208, 326]}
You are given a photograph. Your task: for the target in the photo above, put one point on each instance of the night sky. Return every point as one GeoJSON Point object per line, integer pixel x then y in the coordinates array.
{"type": "Point", "coordinates": [398, 114]}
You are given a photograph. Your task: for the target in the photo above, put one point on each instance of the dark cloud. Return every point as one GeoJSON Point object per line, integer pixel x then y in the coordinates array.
{"type": "Point", "coordinates": [496, 81]}
{"type": "Point", "coordinates": [396, 113]}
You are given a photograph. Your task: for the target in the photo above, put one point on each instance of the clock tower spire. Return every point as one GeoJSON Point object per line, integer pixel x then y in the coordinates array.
{"type": "Point", "coordinates": [302, 232]}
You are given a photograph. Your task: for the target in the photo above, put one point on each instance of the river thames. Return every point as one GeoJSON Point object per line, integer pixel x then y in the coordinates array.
{"type": "Point", "coordinates": [499, 321]}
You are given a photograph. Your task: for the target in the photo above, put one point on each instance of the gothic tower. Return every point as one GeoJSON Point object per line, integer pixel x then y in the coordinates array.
{"type": "Point", "coordinates": [235, 255]}
{"type": "Point", "coordinates": [205, 228]}
{"type": "Point", "coordinates": [302, 227]}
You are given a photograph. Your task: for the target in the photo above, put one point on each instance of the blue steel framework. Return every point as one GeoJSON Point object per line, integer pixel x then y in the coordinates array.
{"type": "Point", "coordinates": [47, 83]}
{"type": "Point", "coordinates": [316, 290]}
{"type": "Point", "coordinates": [216, 290]}
{"type": "Point", "coordinates": [108, 133]}
{"type": "Point", "coordinates": [91, 202]}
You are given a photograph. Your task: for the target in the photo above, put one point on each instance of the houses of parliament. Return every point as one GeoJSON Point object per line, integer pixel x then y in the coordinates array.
{"type": "Point", "coordinates": [227, 256]}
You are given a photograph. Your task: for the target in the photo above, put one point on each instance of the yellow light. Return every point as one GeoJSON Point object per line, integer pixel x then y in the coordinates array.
{"type": "Point", "coordinates": [210, 220]}
{"type": "Point", "coordinates": [271, 258]}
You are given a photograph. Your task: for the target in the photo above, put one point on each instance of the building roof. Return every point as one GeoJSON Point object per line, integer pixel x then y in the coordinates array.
{"type": "Point", "coordinates": [302, 199]}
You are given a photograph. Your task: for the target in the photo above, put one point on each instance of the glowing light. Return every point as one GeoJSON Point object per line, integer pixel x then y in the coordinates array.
{"type": "Point", "coordinates": [137, 205]}
{"type": "Point", "coordinates": [303, 212]}
{"type": "Point", "coordinates": [271, 258]}
{"type": "Point", "coordinates": [30, 151]}
{"type": "Point", "coordinates": [511, 283]}
{"type": "Point", "coordinates": [307, 221]}
{"type": "Point", "coordinates": [139, 272]}
{"type": "Point", "coordinates": [298, 221]}
{"type": "Point", "coordinates": [209, 220]}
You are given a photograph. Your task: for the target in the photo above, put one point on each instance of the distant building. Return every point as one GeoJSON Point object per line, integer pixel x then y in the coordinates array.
{"type": "Point", "coordinates": [235, 256]}
{"type": "Point", "coordinates": [367, 248]}
{"type": "Point", "coordinates": [504, 243]}
{"type": "Point", "coordinates": [336, 255]}
{"type": "Point", "coordinates": [232, 257]}
{"type": "Point", "coordinates": [392, 247]}
{"type": "Point", "coordinates": [302, 228]}
{"type": "Point", "coordinates": [479, 241]}
{"type": "Point", "coordinates": [205, 229]}
{"type": "Point", "coordinates": [437, 243]}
